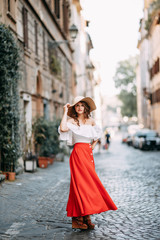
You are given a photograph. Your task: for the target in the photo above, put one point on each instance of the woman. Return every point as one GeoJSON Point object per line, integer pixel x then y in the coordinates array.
{"type": "Point", "coordinates": [87, 194]}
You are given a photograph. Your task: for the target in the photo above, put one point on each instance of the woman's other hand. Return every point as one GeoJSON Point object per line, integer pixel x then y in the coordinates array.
{"type": "Point", "coordinates": [66, 106]}
{"type": "Point", "coordinates": [63, 124]}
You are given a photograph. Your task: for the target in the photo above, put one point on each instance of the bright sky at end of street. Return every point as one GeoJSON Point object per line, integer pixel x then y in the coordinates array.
{"type": "Point", "coordinates": [113, 29]}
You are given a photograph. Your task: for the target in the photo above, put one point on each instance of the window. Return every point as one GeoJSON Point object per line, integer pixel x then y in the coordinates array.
{"type": "Point", "coordinates": [36, 37]}
{"type": "Point", "coordinates": [9, 6]}
{"type": "Point", "coordinates": [11, 10]}
{"type": "Point", "coordinates": [61, 93]}
{"type": "Point", "coordinates": [44, 47]}
{"type": "Point", "coordinates": [155, 68]}
{"type": "Point", "coordinates": [65, 16]}
{"type": "Point", "coordinates": [158, 19]}
{"type": "Point", "coordinates": [25, 26]}
{"type": "Point", "coordinates": [45, 109]}
{"type": "Point", "coordinates": [156, 96]}
{"type": "Point", "coordinates": [55, 111]}
{"type": "Point", "coordinates": [57, 8]}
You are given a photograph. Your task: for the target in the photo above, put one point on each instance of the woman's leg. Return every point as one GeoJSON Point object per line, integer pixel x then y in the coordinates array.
{"type": "Point", "coordinates": [87, 221]}
{"type": "Point", "coordinates": [77, 222]}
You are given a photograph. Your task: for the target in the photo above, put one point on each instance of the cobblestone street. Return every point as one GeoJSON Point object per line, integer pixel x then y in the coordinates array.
{"type": "Point", "coordinates": [33, 207]}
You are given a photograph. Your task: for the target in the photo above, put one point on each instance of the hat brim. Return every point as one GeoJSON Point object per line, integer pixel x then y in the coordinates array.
{"type": "Point", "coordinates": [88, 100]}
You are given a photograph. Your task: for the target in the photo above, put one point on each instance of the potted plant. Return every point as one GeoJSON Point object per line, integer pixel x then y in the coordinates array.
{"type": "Point", "coordinates": [46, 141]}
{"type": "Point", "coordinates": [45, 152]}
{"type": "Point", "coordinates": [10, 156]}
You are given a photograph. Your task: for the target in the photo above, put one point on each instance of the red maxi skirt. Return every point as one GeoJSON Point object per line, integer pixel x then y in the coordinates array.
{"type": "Point", "coordinates": [87, 194]}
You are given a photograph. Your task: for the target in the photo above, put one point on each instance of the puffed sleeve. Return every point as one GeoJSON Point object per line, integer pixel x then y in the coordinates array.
{"type": "Point", "coordinates": [98, 132]}
{"type": "Point", "coordinates": [65, 136]}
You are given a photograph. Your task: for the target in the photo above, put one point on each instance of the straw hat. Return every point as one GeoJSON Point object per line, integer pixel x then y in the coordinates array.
{"type": "Point", "coordinates": [77, 99]}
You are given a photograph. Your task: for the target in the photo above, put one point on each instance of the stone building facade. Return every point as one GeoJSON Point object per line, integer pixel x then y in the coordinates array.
{"type": "Point", "coordinates": [149, 66]}
{"type": "Point", "coordinates": [51, 75]}
{"type": "Point", "coordinates": [46, 69]}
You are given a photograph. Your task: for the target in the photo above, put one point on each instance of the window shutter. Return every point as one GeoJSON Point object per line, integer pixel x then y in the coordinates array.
{"type": "Point", "coordinates": [25, 26]}
{"type": "Point", "coordinates": [36, 37]}
{"type": "Point", "coordinates": [44, 45]}
{"type": "Point", "coordinates": [65, 16]}
{"type": "Point", "coordinates": [57, 8]}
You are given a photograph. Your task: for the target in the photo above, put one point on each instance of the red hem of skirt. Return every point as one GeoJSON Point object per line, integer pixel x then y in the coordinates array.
{"type": "Point", "coordinates": [91, 213]}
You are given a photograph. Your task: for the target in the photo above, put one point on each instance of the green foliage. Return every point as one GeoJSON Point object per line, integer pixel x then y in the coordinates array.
{"type": "Point", "coordinates": [46, 137]}
{"type": "Point", "coordinates": [129, 101]}
{"type": "Point", "coordinates": [125, 80]}
{"type": "Point", "coordinates": [112, 109]}
{"type": "Point", "coordinates": [155, 5]}
{"type": "Point", "coordinates": [148, 23]}
{"type": "Point", "coordinates": [55, 65]}
{"type": "Point", "coordinates": [153, 8]}
{"type": "Point", "coordinates": [9, 99]}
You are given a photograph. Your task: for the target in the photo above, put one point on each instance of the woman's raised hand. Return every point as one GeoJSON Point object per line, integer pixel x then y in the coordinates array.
{"type": "Point", "coordinates": [66, 106]}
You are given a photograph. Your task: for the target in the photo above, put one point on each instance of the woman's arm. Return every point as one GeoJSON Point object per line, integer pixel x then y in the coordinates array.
{"type": "Point", "coordinates": [63, 124]}
{"type": "Point", "coordinates": [94, 144]}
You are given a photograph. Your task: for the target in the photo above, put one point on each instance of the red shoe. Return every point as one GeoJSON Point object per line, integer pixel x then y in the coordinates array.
{"type": "Point", "coordinates": [88, 222]}
{"type": "Point", "coordinates": [77, 222]}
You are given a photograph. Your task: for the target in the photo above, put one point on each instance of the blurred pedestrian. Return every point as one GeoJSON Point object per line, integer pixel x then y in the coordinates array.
{"type": "Point", "coordinates": [107, 136]}
{"type": "Point", "coordinates": [87, 195]}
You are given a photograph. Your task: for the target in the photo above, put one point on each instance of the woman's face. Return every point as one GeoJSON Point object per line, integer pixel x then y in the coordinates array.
{"type": "Point", "coordinates": [79, 108]}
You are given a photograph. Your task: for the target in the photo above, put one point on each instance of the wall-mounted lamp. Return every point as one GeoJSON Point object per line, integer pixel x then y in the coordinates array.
{"type": "Point", "coordinates": [73, 31]}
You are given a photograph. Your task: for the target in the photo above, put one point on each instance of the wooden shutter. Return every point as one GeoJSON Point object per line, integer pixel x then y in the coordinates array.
{"type": "Point", "coordinates": [25, 26]}
{"type": "Point", "coordinates": [9, 6]}
{"type": "Point", "coordinates": [65, 16]}
{"type": "Point", "coordinates": [44, 47]}
{"type": "Point", "coordinates": [57, 8]}
{"type": "Point", "coordinates": [36, 37]}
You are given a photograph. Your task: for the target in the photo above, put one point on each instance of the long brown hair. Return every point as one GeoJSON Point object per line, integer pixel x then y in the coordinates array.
{"type": "Point", "coordinates": [74, 114]}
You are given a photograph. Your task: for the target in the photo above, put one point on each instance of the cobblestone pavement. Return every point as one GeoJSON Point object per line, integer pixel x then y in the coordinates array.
{"type": "Point", "coordinates": [33, 207]}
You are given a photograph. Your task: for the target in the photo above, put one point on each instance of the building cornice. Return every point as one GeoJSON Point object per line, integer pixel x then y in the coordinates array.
{"type": "Point", "coordinates": [46, 28]}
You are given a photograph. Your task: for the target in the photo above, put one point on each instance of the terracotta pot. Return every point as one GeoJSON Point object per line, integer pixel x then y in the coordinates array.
{"type": "Point", "coordinates": [11, 176]}
{"type": "Point", "coordinates": [51, 160]}
{"type": "Point", "coordinates": [43, 162]}
{"type": "Point", "coordinates": [48, 159]}
{"type": "Point", "coordinates": [6, 175]}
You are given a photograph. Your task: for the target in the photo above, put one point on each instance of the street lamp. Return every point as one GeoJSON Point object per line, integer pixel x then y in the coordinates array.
{"type": "Point", "coordinates": [73, 31]}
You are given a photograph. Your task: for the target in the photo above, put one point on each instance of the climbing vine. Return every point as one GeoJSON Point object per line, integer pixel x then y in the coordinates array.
{"type": "Point", "coordinates": [9, 99]}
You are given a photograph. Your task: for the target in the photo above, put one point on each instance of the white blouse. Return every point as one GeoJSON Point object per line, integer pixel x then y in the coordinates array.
{"type": "Point", "coordinates": [84, 133]}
